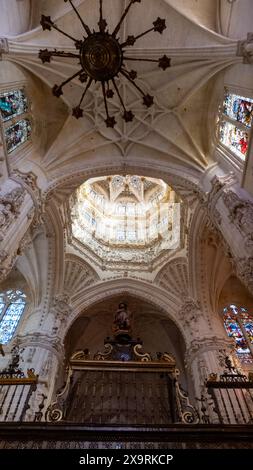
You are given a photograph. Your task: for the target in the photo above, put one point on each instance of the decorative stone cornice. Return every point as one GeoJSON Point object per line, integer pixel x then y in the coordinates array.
{"type": "Point", "coordinates": [42, 340]}
{"type": "Point", "coordinates": [198, 347]}
{"type": "Point", "coordinates": [219, 183]}
{"type": "Point", "coordinates": [29, 182]}
{"type": "Point", "coordinates": [245, 49]}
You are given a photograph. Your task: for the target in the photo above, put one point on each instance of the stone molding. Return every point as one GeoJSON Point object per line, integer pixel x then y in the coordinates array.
{"type": "Point", "coordinates": [198, 347]}
{"type": "Point", "coordinates": [241, 215]}
{"type": "Point", "coordinates": [29, 182]}
{"type": "Point", "coordinates": [42, 340]}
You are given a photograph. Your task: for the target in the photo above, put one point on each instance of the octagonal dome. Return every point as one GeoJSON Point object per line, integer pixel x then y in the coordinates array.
{"type": "Point", "coordinates": [126, 219]}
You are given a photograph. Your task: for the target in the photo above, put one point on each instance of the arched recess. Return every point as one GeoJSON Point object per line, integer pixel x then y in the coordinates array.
{"type": "Point", "coordinates": [167, 303]}
{"type": "Point", "coordinates": [149, 322]}
{"type": "Point", "coordinates": [232, 291]}
{"type": "Point", "coordinates": [185, 179]}
{"type": "Point", "coordinates": [209, 264]}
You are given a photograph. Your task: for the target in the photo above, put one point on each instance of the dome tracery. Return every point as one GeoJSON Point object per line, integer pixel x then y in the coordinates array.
{"type": "Point", "coordinates": [126, 218]}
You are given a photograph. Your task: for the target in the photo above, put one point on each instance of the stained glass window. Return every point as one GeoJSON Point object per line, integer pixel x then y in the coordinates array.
{"type": "Point", "coordinates": [17, 134]}
{"type": "Point", "coordinates": [16, 125]}
{"type": "Point", "coordinates": [13, 103]}
{"type": "Point", "coordinates": [12, 305]}
{"type": "Point", "coordinates": [239, 326]}
{"type": "Point", "coordinates": [239, 108]}
{"type": "Point", "coordinates": [234, 138]}
{"type": "Point", "coordinates": [236, 122]}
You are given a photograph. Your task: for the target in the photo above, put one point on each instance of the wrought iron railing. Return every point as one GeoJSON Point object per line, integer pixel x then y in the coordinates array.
{"type": "Point", "coordinates": [105, 390]}
{"type": "Point", "coordinates": [228, 398]}
{"type": "Point", "coordinates": [16, 390]}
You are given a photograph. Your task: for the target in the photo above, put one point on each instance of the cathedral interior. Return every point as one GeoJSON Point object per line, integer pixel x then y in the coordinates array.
{"type": "Point", "coordinates": [126, 224]}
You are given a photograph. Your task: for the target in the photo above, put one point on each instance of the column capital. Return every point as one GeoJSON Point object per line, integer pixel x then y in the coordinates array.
{"type": "Point", "coordinates": [198, 347]}
{"type": "Point", "coordinates": [52, 343]}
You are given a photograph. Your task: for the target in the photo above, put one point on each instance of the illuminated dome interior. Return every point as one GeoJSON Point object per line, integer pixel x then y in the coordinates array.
{"type": "Point", "coordinates": [128, 213]}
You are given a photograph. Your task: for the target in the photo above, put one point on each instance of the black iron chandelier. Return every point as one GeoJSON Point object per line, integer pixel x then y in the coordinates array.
{"type": "Point", "coordinates": [102, 58]}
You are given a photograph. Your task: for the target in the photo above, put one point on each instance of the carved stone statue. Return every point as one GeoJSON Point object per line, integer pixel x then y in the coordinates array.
{"type": "Point", "coordinates": [122, 318]}
{"type": "Point", "coordinates": [9, 206]}
{"type": "Point", "coordinates": [241, 214]}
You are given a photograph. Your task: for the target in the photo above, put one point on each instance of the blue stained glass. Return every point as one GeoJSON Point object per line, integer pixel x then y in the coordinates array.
{"type": "Point", "coordinates": [239, 108]}
{"type": "Point", "coordinates": [12, 305]}
{"type": "Point", "coordinates": [12, 103]}
{"type": "Point", "coordinates": [1, 308]}
{"type": "Point", "coordinates": [235, 320]}
{"type": "Point", "coordinates": [17, 134]}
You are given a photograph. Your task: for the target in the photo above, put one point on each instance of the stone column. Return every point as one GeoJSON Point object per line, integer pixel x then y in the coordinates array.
{"type": "Point", "coordinates": [44, 353]}
{"type": "Point", "coordinates": [231, 212]}
{"type": "Point", "coordinates": [203, 358]}
{"type": "Point", "coordinates": [20, 207]}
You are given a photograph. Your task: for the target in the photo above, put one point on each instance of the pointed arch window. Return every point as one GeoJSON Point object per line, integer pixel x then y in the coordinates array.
{"type": "Point", "coordinates": [17, 127]}
{"type": "Point", "coordinates": [239, 326]}
{"type": "Point", "coordinates": [12, 306]}
{"type": "Point", "coordinates": [235, 123]}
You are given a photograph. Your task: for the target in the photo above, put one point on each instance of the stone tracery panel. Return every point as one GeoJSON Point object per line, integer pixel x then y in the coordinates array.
{"type": "Point", "coordinates": [174, 277]}
{"type": "Point", "coordinates": [78, 276]}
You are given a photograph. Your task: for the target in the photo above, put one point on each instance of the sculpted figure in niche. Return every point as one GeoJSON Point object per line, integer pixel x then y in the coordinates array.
{"type": "Point", "coordinates": [9, 206]}
{"type": "Point", "coordinates": [5, 212]}
{"type": "Point", "coordinates": [122, 318]}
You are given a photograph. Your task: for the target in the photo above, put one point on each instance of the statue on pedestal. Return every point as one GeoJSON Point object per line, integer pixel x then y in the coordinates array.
{"type": "Point", "coordinates": [122, 319]}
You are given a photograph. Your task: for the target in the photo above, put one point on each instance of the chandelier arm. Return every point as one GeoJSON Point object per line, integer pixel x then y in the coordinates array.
{"type": "Point", "coordinates": [135, 38]}
{"type": "Point", "coordinates": [144, 33]}
{"type": "Point", "coordinates": [141, 60]}
{"type": "Point", "coordinates": [118, 93]}
{"type": "Point", "coordinates": [101, 9]}
{"type": "Point", "coordinates": [85, 91]}
{"type": "Point", "coordinates": [86, 27]}
{"type": "Point", "coordinates": [102, 22]}
{"type": "Point", "coordinates": [125, 73]}
{"type": "Point", "coordinates": [115, 32]}
{"type": "Point", "coordinates": [64, 54]}
{"type": "Point", "coordinates": [69, 79]}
